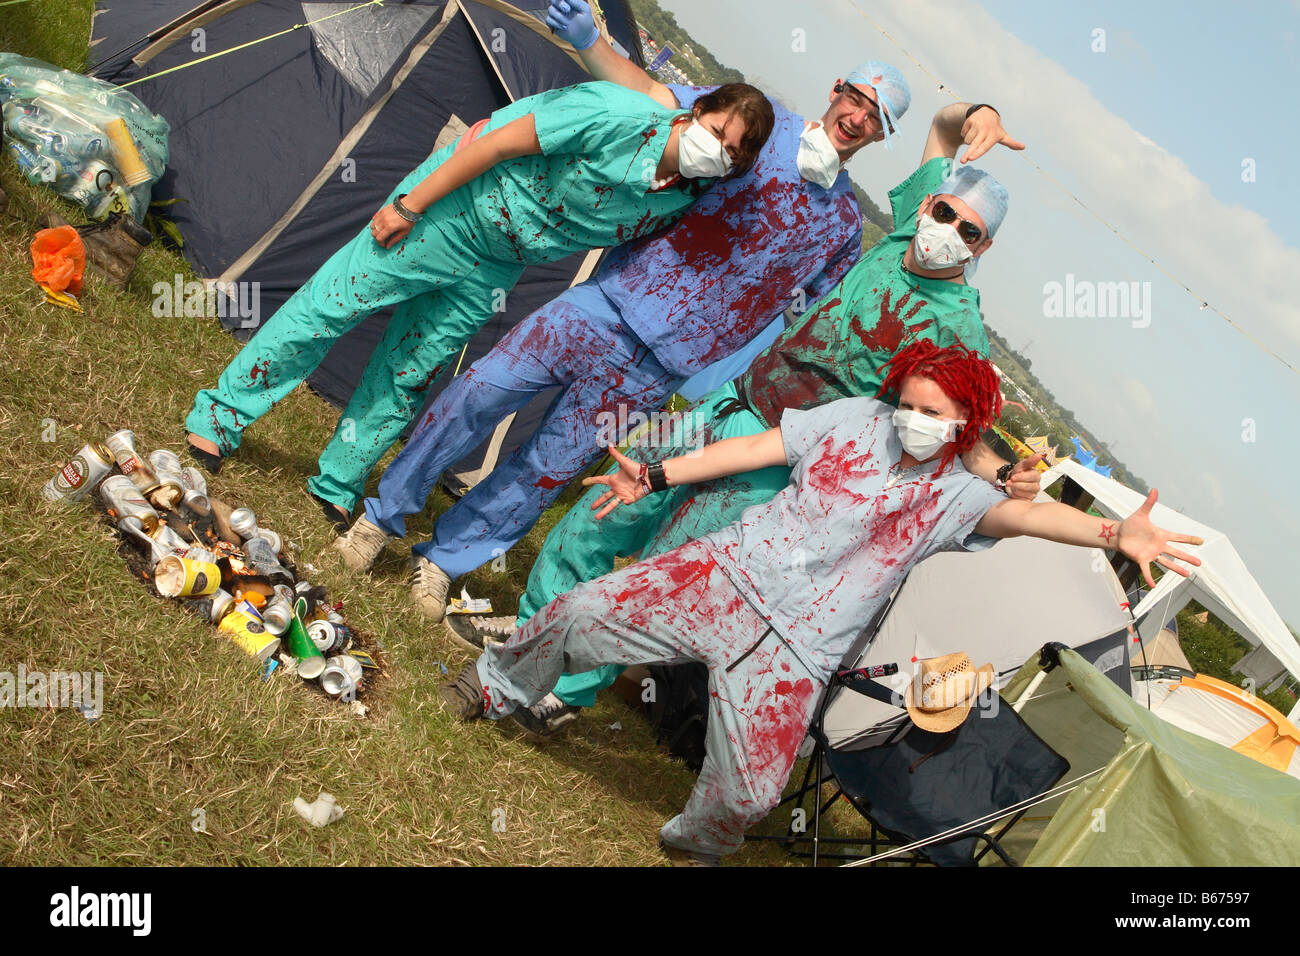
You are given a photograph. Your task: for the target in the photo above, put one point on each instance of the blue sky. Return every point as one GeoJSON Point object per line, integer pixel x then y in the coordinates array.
{"type": "Point", "coordinates": [1214, 86]}
{"type": "Point", "coordinates": [1151, 134]}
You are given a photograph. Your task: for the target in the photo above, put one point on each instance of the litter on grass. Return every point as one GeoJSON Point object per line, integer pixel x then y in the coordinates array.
{"type": "Point", "coordinates": [218, 562]}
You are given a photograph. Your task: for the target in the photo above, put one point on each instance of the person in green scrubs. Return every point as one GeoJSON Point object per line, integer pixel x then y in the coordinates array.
{"type": "Point", "coordinates": [578, 168]}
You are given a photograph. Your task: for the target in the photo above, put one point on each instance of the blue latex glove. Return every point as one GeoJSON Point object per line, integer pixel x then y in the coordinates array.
{"type": "Point", "coordinates": [571, 20]}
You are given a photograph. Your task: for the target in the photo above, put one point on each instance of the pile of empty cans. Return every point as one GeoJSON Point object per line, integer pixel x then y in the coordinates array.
{"type": "Point", "coordinates": [216, 560]}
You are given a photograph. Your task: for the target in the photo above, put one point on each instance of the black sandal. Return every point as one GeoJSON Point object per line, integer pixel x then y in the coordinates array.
{"type": "Point", "coordinates": [334, 514]}
{"type": "Point", "coordinates": [210, 462]}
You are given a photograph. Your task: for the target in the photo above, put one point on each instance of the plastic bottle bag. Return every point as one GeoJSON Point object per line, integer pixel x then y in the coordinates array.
{"type": "Point", "coordinates": [93, 143]}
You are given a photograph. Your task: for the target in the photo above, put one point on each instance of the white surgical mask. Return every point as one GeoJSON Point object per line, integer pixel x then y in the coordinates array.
{"type": "Point", "coordinates": [937, 246]}
{"type": "Point", "coordinates": [923, 435]}
{"type": "Point", "coordinates": [699, 154]}
{"type": "Point", "coordinates": [817, 160]}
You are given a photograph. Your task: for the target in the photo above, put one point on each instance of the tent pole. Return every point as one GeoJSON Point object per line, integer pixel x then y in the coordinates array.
{"type": "Point", "coordinates": [1029, 691]}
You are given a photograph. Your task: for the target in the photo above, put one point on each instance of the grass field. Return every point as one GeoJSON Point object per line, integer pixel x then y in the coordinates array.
{"type": "Point", "coordinates": [196, 759]}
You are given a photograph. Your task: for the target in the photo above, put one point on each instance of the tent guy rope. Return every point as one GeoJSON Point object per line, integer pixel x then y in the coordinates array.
{"type": "Point", "coordinates": [243, 46]}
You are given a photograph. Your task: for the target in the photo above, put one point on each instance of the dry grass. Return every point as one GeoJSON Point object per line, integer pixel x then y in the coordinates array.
{"type": "Point", "coordinates": [190, 732]}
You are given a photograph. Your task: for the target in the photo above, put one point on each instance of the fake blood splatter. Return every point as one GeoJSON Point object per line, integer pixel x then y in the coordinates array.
{"type": "Point", "coordinates": [646, 136]}
{"type": "Point", "coordinates": [735, 260]}
{"type": "Point", "coordinates": [836, 474]}
{"type": "Point", "coordinates": [887, 334]}
{"type": "Point", "coordinates": [778, 727]}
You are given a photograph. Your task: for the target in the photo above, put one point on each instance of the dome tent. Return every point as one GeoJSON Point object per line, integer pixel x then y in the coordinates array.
{"type": "Point", "coordinates": [284, 149]}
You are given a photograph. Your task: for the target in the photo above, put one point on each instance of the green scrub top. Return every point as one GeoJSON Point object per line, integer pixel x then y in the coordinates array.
{"type": "Point", "coordinates": [590, 186]}
{"type": "Point", "coordinates": [838, 349]}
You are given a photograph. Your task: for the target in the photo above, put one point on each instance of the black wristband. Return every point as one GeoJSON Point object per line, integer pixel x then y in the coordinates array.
{"type": "Point", "coordinates": [655, 475]}
{"type": "Point", "coordinates": [980, 106]}
{"type": "Point", "coordinates": [405, 213]}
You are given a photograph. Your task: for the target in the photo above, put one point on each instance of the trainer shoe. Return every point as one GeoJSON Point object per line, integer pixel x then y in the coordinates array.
{"type": "Point", "coordinates": [475, 633]}
{"type": "Point", "coordinates": [463, 695]}
{"type": "Point", "coordinates": [546, 718]}
{"type": "Point", "coordinates": [429, 584]}
{"type": "Point", "coordinates": [363, 542]}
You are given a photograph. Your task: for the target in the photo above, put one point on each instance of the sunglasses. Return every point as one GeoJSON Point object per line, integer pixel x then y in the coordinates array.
{"type": "Point", "coordinates": [943, 213]}
{"type": "Point", "coordinates": [860, 101]}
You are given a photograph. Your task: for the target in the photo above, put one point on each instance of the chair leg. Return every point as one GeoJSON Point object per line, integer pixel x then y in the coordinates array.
{"type": "Point", "coordinates": [996, 847]}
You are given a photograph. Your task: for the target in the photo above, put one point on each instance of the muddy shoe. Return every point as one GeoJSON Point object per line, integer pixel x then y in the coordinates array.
{"type": "Point", "coordinates": [362, 544]}
{"type": "Point", "coordinates": [429, 584]}
{"type": "Point", "coordinates": [112, 247]}
{"type": "Point", "coordinates": [210, 461]}
{"type": "Point", "coordinates": [463, 695]}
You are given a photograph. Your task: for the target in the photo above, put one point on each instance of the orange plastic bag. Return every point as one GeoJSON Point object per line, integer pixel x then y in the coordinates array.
{"type": "Point", "coordinates": [59, 259]}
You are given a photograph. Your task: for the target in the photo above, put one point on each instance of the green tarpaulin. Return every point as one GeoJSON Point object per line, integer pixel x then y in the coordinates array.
{"type": "Point", "coordinates": [1164, 798]}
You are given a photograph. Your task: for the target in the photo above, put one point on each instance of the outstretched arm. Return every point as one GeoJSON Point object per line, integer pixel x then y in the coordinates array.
{"type": "Point", "coordinates": [981, 132]}
{"type": "Point", "coordinates": [1136, 537]}
{"type": "Point", "coordinates": [517, 138]}
{"type": "Point", "coordinates": [730, 456]}
{"type": "Point", "coordinates": [572, 21]}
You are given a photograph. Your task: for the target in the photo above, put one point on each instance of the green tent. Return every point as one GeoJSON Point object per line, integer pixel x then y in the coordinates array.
{"type": "Point", "coordinates": [1147, 793]}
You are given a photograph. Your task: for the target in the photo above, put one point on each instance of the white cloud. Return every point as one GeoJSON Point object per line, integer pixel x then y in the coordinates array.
{"type": "Point", "coordinates": [1225, 253]}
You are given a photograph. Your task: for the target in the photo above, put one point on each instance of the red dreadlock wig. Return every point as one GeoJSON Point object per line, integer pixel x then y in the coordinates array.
{"type": "Point", "coordinates": [964, 376]}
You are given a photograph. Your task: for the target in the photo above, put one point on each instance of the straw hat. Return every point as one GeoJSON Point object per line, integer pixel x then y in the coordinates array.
{"type": "Point", "coordinates": [949, 685]}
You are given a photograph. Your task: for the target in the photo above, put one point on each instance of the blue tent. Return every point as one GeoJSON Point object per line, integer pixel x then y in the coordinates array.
{"type": "Point", "coordinates": [1087, 458]}
{"type": "Point", "coordinates": [284, 150]}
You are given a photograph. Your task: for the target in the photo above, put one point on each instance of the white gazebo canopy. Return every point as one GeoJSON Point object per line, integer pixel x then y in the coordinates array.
{"type": "Point", "coordinates": [1222, 583]}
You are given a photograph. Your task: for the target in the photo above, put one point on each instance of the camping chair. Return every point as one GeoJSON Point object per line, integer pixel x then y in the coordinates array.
{"type": "Point", "coordinates": [943, 789]}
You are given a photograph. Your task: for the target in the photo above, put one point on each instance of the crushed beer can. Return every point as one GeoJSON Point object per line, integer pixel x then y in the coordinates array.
{"type": "Point", "coordinates": [167, 468]}
{"type": "Point", "coordinates": [244, 523]}
{"type": "Point", "coordinates": [341, 675]}
{"type": "Point", "coordinates": [246, 628]}
{"type": "Point", "coordinates": [170, 541]}
{"type": "Point", "coordinates": [183, 577]}
{"type": "Point", "coordinates": [122, 444]}
{"type": "Point", "coordinates": [213, 607]}
{"type": "Point", "coordinates": [124, 498]}
{"type": "Point", "coordinates": [329, 637]}
{"type": "Point", "coordinates": [82, 472]}
{"type": "Point", "coordinates": [277, 616]}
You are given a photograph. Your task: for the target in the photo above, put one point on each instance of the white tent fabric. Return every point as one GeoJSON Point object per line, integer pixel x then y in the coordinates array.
{"type": "Point", "coordinates": [1162, 650]}
{"type": "Point", "coordinates": [999, 606]}
{"type": "Point", "coordinates": [1222, 583]}
{"type": "Point", "coordinates": [1225, 721]}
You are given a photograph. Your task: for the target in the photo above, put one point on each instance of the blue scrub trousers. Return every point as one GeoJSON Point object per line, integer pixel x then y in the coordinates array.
{"type": "Point", "coordinates": [577, 341]}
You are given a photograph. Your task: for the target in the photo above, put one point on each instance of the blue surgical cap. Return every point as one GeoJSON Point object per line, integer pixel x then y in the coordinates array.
{"type": "Point", "coordinates": [891, 90]}
{"type": "Point", "coordinates": [980, 191]}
